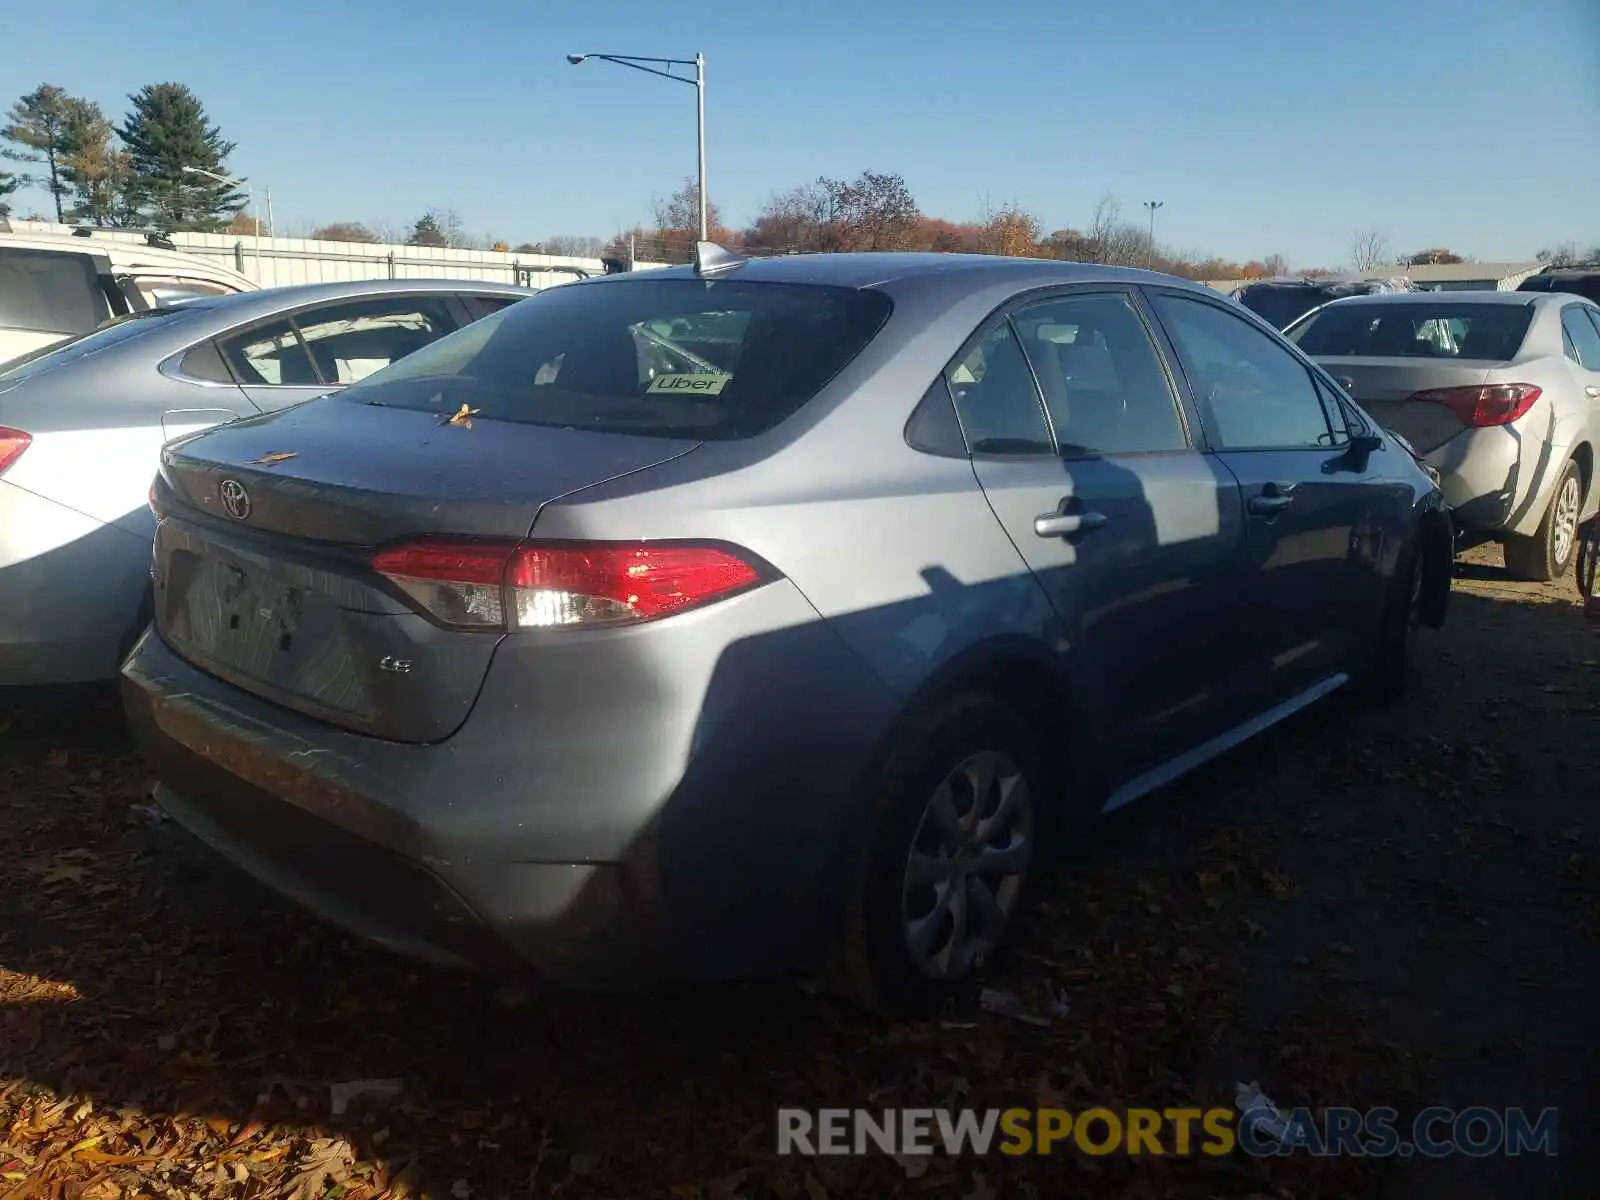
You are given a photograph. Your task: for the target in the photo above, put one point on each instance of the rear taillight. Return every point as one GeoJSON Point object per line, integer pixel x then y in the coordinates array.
{"type": "Point", "coordinates": [497, 585]}
{"type": "Point", "coordinates": [12, 443]}
{"type": "Point", "coordinates": [1481, 407]}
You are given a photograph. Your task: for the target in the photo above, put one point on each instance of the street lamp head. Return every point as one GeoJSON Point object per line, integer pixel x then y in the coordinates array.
{"type": "Point", "coordinates": [575, 59]}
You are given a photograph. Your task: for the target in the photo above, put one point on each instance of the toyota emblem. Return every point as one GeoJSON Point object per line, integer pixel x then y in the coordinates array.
{"type": "Point", "coordinates": [235, 500]}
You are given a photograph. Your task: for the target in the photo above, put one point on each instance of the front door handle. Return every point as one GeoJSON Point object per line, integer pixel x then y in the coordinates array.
{"type": "Point", "coordinates": [1592, 391]}
{"type": "Point", "coordinates": [1272, 501]}
{"type": "Point", "coordinates": [1060, 524]}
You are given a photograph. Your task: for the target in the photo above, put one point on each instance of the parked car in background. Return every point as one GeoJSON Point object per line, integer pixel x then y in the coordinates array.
{"type": "Point", "coordinates": [1280, 302]}
{"type": "Point", "coordinates": [1500, 391]}
{"type": "Point", "coordinates": [762, 614]}
{"type": "Point", "coordinates": [57, 286]}
{"type": "Point", "coordinates": [1577, 281]}
{"type": "Point", "coordinates": [82, 424]}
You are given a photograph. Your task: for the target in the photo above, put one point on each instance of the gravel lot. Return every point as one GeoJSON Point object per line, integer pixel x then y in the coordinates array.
{"type": "Point", "coordinates": [1397, 908]}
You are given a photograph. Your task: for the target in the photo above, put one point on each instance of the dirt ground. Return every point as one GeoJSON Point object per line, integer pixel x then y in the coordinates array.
{"type": "Point", "coordinates": [1397, 908]}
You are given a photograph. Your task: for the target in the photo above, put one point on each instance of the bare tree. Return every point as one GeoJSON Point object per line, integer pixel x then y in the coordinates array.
{"type": "Point", "coordinates": [1369, 248]}
{"type": "Point", "coordinates": [1102, 227]}
{"type": "Point", "coordinates": [570, 246]}
{"type": "Point", "coordinates": [1276, 265]}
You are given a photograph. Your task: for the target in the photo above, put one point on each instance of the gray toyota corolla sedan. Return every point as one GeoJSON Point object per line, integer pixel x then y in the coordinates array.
{"type": "Point", "coordinates": [762, 615]}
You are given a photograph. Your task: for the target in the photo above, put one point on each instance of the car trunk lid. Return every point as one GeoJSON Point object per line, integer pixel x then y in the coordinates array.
{"type": "Point", "coordinates": [263, 556]}
{"type": "Point", "coordinates": [1385, 387]}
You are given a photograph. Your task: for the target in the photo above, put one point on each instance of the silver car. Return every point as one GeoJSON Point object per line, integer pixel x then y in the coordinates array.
{"type": "Point", "coordinates": [82, 423]}
{"type": "Point", "coordinates": [762, 615]}
{"type": "Point", "coordinates": [1499, 391]}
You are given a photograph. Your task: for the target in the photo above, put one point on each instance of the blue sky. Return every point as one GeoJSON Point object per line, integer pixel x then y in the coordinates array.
{"type": "Point", "coordinates": [1263, 125]}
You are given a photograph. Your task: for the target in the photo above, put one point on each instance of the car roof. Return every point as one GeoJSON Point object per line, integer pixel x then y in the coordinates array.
{"type": "Point", "coordinates": [877, 268]}
{"type": "Point", "coordinates": [1321, 281]}
{"type": "Point", "coordinates": [1461, 296]}
{"type": "Point", "coordinates": [243, 306]}
{"type": "Point", "coordinates": [122, 253]}
{"type": "Point", "coordinates": [1569, 273]}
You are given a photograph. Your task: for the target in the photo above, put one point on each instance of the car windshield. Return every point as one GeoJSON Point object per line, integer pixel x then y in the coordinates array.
{"type": "Point", "coordinates": [1280, 306]}
{"type": "Point", "coordinates": [1441, 329]}
{"type": "Point", "coordinates": [708, 359]}
{"type": "Point", "coordinates": [58, 354]}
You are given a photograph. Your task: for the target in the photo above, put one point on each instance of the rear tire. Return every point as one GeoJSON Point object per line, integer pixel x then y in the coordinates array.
{"type": "Point", "coordinates": [959, 816]}
{"type": "Point", "coordinates": [1548, 554]}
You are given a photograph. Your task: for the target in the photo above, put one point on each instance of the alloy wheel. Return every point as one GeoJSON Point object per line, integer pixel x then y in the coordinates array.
{"type": "Point", "coordinates": [1564, 519]}
{"type": "Point", "coordinates": [968, 862]}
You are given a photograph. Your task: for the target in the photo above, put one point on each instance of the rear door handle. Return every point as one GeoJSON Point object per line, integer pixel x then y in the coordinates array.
{"type": "Point", "coordinates": [1269, 504]}
{"type": "Point", "coordinates": [1592, 391]}
{"type": "Point", "coordinates": [1060, 524]}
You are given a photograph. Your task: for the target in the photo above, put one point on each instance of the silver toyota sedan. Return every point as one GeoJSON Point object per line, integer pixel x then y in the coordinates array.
{"type": "Point", "coordinates": [763, 616]}
{"type": "Point", "coordinates": [1499, 391]}
{"type": "Point", "coordinates": [82, 423]}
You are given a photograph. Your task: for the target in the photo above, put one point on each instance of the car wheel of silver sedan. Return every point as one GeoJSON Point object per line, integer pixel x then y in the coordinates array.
{"type": "Point", "coordinates": [1548, 554]}
{"type": "Point", "coordinates": [960, 816]}
{"type": "Point", "coordinates": [968, 861]}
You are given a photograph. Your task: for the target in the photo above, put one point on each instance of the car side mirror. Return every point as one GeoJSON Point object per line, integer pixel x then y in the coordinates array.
{"type": "Point", "coordinates": [1361, 449]}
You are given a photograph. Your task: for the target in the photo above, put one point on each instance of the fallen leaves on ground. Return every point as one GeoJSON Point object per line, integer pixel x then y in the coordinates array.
{"type": "Point", "coordinates": [167, 1030]}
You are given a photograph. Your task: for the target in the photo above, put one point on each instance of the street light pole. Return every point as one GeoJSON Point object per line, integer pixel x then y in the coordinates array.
{"type": "Point", "coordinates": [1150, 251]}
{"type": "Point", "coordinates": [663, 67]}
{"type": "Point", "coordinates": [249, 200]}
{"type": "Point", "coordinates": [700, 138]}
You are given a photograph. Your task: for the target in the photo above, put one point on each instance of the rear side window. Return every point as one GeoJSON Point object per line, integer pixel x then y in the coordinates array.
{"type": "Point", "coordinates": [996, 400]}
{"type": "Point", "coordinates": [337, 343]}
{"type": "Point", "coordinates": [1442, 329]}
{"type": "Point", "coordinates": [44, 292]}
{"type": "Point", "coordinates": [1104, 388]}
{"type": "Point", "coordinates": [269, 354]}
{"type": "Point", "coordinates": [481, 306]}
{"type": "Point", "coordinates": [1582, 335]}
{"type": "Point", "coordinates": [711, 359]}
{"type": "Point", "coordinates": [354, 339]}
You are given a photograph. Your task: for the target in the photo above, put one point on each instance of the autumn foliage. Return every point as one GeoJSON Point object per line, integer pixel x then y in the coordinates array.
{"type": "Point", "coordinates": [877, 211]}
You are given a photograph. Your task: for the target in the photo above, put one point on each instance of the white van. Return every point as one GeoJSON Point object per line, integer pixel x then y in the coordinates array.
{"type": "Point", "coordinates": [56, 286]}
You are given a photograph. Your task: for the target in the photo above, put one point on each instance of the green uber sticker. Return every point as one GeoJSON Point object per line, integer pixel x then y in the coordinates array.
{"type": "Point", "coordinates": [699, 385]}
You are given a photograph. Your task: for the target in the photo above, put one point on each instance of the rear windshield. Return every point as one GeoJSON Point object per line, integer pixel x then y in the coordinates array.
{"type": "Point", "coordinates": [709, 359]}
{"type": "Point", "coordinates": [58, 354]}
{"type": "Point", "coordinates": [1446, 329]}
{"type": "Point", "coordinates": [1280, 306]}
{"type": "Point", "coordinates": [1577, 285]}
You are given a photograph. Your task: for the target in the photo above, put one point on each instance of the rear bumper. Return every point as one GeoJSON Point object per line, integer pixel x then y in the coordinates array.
{"type": "Point", "coordinates": [540, 851]}
{"type": "Point", "coordinates": [1499, 480]}
{"type": "Point", "coordinates": [1478, 474]}
{"type": "Point", "coordinates": [69, 591]}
